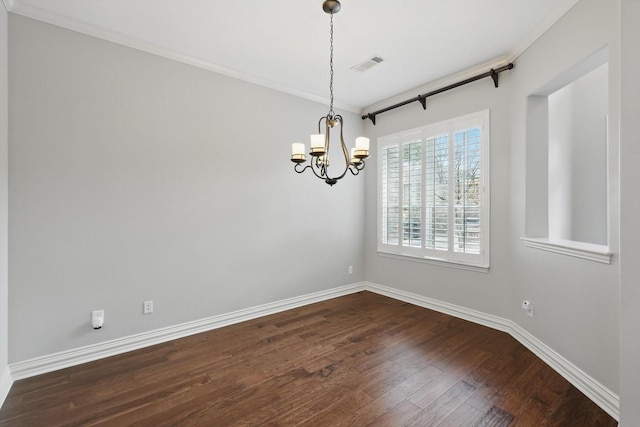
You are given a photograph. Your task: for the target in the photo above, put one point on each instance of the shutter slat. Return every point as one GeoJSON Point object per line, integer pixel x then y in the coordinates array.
{"type": "Point", "coordinates": [432, 192]}
{"type": "Point", "coordinates": [390, 195]}
{"type": "Point", "coordinates": [466, 237]}
{"type": "Point", "coordinates": [412, 195]}
{"type": "Point", "coordinates": [437, 188]}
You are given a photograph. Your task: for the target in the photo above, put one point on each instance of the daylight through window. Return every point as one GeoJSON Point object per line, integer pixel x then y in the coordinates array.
{"type": "Point", "coordinates": [432, 191]}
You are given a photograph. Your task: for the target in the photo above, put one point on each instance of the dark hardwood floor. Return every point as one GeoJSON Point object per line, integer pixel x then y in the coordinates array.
{"type": "Point", "coordinates": [358, 360]}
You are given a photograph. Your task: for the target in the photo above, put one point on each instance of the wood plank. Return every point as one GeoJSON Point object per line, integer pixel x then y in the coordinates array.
{"type": "Point", "coordinates": [438, 410]}
{"type": "Point", "coordinates": [383, 408]}
{"type": "Point", "coordinates": [463, 415]}
{"type": "Point", "coordinates": [496, 417]}
{"type": "Point", "coordinates": [361, 359]}
{"type": "Point", "coordinates": [396, 416]}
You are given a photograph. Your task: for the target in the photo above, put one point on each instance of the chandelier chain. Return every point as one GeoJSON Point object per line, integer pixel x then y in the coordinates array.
{"type": "Point", "coordinates": [331, 114]}
{"type": "Point", "coordinates": [354, 160]}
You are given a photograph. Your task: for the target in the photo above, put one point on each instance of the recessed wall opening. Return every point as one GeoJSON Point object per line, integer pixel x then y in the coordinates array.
{"type": "Point", "coordinates": [567, 162]}
{"type": "Point", "coordinates": [577, 187]}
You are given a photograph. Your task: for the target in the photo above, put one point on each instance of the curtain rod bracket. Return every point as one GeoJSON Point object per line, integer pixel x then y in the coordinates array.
{"type": "Point", "coordinates": [493, 73]}
{"type": "Point", "coordinates": [371, 117]}
{"type": "Point", "coordinates": [423, 101]}
{"type": "Point", "coordinates": [494, 77]}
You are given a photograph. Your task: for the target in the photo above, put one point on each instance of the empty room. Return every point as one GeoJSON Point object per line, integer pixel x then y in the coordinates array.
{"type": "Point", "coordinates": [323, 213]}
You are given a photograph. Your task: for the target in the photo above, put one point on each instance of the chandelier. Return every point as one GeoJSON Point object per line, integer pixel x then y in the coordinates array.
{"type": "Point", "coordinates": [320, 142]}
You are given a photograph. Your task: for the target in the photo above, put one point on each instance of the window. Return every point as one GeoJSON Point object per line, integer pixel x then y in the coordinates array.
{"type": "Point", "coordinates": [433, 195]}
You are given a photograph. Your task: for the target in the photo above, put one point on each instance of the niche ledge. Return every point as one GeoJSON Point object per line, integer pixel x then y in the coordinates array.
{"type": "Point", "coordinates": [598, 253]}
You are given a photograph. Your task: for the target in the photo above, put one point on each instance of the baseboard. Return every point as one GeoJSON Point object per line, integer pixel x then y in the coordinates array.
{"type": "Point", "coordinates": [594, 390]}
{"type": "Point", "coordinates": [65, 359]}
{"type": "Point", "coordinates": [6, 381]}
{"type": "Point", "coordinates": [460, 312]}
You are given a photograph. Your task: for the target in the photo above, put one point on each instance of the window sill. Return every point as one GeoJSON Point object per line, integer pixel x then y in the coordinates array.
{"type": "Point", "coordinates": [598, 253]}
{"type": "Point", "coordinates": [437, 261]}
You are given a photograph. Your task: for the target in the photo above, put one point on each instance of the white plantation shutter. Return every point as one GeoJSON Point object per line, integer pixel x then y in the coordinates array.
{"type": "Point", "coordinates": [390, 200]}
{"type": "Point", "coordinates": [433, 189]}
{"type": "Point", "coordinates": [412, 194]}
{"type": "Point", "coordinates": [437, 193]}
{"type": "Point", "coordinates": [466, 202]}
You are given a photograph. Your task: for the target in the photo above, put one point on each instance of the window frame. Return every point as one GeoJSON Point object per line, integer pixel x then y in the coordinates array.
{"type": "Point", "coordinates": [474, 262]}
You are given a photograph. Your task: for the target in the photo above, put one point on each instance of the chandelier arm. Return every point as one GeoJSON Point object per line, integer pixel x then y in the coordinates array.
{"type": "Point", "coordinates": [345, 152]}
{"type": "Point", "coordinates": [314, 168]}
{"type": "Point", "coordinates": [327, 136]}
{"type": "Point", "coordinates": [309, 166]}
{"type": "Point", "coordinates": [323, 167]}
{"type": "Point", "coordinates": [298, 170]}
{"type": "Point", "coordinates": [319, 170]}
{"type": "Point", "coordinates": [319, 164]}
{"type": "Point", "coordinates": [355, 169]}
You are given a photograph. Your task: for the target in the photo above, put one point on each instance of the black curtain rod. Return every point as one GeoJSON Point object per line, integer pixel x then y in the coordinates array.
{"type": "Point", "coordinates": [493, 73]}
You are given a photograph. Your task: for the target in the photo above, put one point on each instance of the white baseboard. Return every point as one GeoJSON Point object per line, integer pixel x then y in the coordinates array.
{"type": "Point", "coordinates": [6, 381]}
{"type": "Point", "coordinates": [77, 356]}
{"type": "Point", "coordinates": [460, 312]}
{"type": "Point", "coordinates": [594, 390]}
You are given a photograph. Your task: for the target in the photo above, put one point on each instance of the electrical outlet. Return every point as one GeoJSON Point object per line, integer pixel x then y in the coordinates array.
{"type": "Point", "coordinates": [97, 319]}
{"type": "Point", "coordinates": [147, 307]}
{"type": "Point", "coordinates": [527, 306]}
{"type": "Point", "coordinates": [351, 269]}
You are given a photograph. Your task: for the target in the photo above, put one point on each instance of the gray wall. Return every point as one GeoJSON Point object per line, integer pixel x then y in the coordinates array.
{"type": "Point", "coordinates": [4, 97]}
{"type": "Point", "coordinates": [137, 178]}
{"type": "Point", "coordinates": [486, 292]}
{"type": "Point", "coordinates": [629, 214]}
{"type": "Point", "coordinates": [576, 301]}
{"type": "Point", "coordinates": [127, 193]}
{"type": "Point", "coordinates": [578, 159]}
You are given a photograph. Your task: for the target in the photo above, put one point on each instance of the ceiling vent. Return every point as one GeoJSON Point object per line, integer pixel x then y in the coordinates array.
{"type": "Point", "coordinates": [365, 65]}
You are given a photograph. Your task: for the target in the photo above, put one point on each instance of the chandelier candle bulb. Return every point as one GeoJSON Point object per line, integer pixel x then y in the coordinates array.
{"type": "Point", "coordinates": [362, 147]}
{"type": "Point", "coordinates": [319, 147]}
{"type": "Point", "coordinates": [317, 144]}
{"type": "Point", "coordinates": [297, 152]}
{"type": "Point", "coordinates": [362, 143]}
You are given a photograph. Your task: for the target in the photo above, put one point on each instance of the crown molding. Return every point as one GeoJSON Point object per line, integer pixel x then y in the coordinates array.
{"type": "Point", "coordinates": [552, 17]}
{"type": "Point", "coordinates": [34, 12]}
{"type": "Point", "coordinates": [549, 21]}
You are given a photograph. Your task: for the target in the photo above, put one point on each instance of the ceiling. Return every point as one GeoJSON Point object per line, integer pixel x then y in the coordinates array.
{"type": "Point", "coordinates": [284, 44]}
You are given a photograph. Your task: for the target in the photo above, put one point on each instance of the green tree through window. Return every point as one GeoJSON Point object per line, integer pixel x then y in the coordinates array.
{"type": "Point", "coordinates": [432, 191]}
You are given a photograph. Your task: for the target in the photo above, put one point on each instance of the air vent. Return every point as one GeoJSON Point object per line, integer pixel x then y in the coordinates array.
{"type": "Point", "coordinates": [365, 65]}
